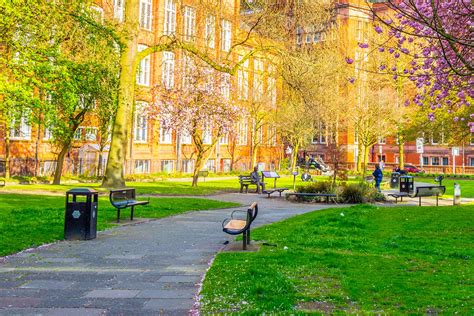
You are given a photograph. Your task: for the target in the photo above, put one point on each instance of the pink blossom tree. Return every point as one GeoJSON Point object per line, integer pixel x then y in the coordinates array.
{"type": "Point", "coordinates": [437, 36]}
{"type": "Point", "coordinates": [199, 107]}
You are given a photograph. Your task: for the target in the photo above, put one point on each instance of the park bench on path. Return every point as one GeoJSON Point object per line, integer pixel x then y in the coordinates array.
{"type": "Point", "coordinates": [237, 226]}
{"type": "Point", "coordinates": [245, 181]}
{"type": "Point", "coordinates": [325, 195]}
{"type": "Point", "coordinates": [422, 191]}
{"type": "Point", "coordinates": [275, 176]}
{"type": "Point", "coordinates": [123, 198]}
{"type": "Point", "coordinates": [203, 174]}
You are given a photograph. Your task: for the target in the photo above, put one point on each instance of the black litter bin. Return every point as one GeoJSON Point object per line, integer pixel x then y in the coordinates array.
{"type": "Point", "coordinates": [395, 180]}
{"type": "Point", "coordinates": [407, 184]}
{"type": "Point", "coordinates": [80, 221]}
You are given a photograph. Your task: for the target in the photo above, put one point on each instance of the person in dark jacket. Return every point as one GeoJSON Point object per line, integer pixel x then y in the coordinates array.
{"type": "Point", "coordinates": [255, 178]}
{"type": "Point", "coordinates": [378, 175]}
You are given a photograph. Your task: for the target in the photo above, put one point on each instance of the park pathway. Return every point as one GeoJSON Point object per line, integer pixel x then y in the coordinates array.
{"type": "Point", "coordinates": [145, 269]}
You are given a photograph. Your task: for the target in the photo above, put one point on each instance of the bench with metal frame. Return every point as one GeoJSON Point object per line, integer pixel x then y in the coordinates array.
{"type": "Point", "coordinates": [439, 179]}
{"type": "Point", "coordinates": [325, 195]}
{"type": "Point", "coordinates": [245, 181]}
{"type": "Point", "coordinates": [123, 198]}
{"type": "Point", "coordinates": [422, 191]}
{"type": "Point", "coordinates": [275, 176]}
{"type": "Point", "coordinates": [236, 226]}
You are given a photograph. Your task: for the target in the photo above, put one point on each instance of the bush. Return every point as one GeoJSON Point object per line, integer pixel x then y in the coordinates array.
{"type": "Point", "coordinates": [316, 187]}
{"type": "Point", "coordinates": [360, 193]}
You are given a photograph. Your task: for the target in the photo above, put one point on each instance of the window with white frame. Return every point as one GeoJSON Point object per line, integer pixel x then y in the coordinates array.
{"type": "Point", "coordinates": [243, 81]}
{"type": "Point", "coordinates": [445, 161]}
{"type": "Point", "coordinates": [140, 123]}
{"type": "Point", "coordinates": [189, 23]}
{"type": "Point", "coordinates": [226, 35]}
{"type": "Point", "coordinates": [47, 133]}
{"type": "Point", "coordinates": [320, 136]}
{"type": "Point", "coordinates": [211, 31]}
{"type": "Point", "coordinates": [273, 91]}
{"type": "Point", "coordinates": [165, 134]}
{"type": "Point", "coordinates": [187, 165]}
{"type": "Point", "coordinates": [167, 166]}
{"type": "Point", "coordinates": [299, 35]}
{"type": "Point", "coordinates": [48, 167]}
{"type": "Point", "coordinates": [79, 133]}
{"type": "Point", "coordinates": [211, 165]}
{"type": "Point", "coordinates": [143, 73]}
{"type": "Point", "coordinates": [146, 14]}
{"type": "Point", "coordinates": [425, 160]}
{"type": "Point", "coordinates": [91, 134]}
{"type": "Point", "coordinates": [226, 165]}
{"type": "Point", "coordinates": [272, 135]}
{"type": "Point", "coordinates": [242, 136]}
{"type": "Point", "coordinates": [187, 71]}
{"type": "Point", "coordinates": [359, 30]}
{"type": "Point", "coordinates": [170, 18]}
{"type": "Point", "coordinates": [119, 10]}
{"type": "Point", "coordinates": [21, 128]}
{"type": "Point", "coordinates": [207, 134]}
{"type": "Point", "coordinates": [471, 161]}
{"type": "Point", "coordinates": [224, 140]}
{"type": "Point", "coordinates": [225, 85]}
{"type": "Point", "coordinates": [435, 161]}
{"type": "Point", "coordinates": [168, 69]}
{"type": "Point", "coordinates": [142, 166]}
{"type": "Point", "coordinates": [185, 138]}
{"type": "Point", "coordinates": [257, 79]}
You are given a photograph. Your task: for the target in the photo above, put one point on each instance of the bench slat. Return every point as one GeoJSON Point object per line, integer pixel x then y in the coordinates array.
{"type": "Point", "coordinates": [236, 224]}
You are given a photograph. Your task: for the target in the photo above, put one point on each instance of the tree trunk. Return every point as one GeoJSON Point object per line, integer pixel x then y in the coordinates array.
{"type": "Point", "coordinates": [401, 152]}
{"type": "Point", "coordinates": [359, 157]}
{"type": "Point", "coordinates": [295, 157]}
{"type": "Point", "coordinates": [38, 137]}
{"type": "Point", "coordinates": [366, 159]}
{"type": "Point", "coordinates": [7, 152]}
{"type": "Point", "coordinates": [254, 156]}
{"type": "Point", "coordinates": [197, 167]}
{"type": "Point", "coordinates": [114, 172]}
{"type": "Point", "coordinates": [59, 165]}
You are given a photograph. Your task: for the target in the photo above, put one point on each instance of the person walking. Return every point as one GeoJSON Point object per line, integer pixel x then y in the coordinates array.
{"type": "Point", "coordinates": [255, 178]}
{"type": "Point", "coordinates": [378, 175]}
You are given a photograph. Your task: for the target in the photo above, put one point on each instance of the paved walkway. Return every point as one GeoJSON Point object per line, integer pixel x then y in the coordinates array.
{"type": "Point", "coordinates": [149, 268]}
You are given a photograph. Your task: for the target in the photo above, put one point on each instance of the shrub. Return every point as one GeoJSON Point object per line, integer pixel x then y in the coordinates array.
{"type": "Point", "coordinates": [316, 187]}
{"type": "Point", "coordinates": [354, 193]}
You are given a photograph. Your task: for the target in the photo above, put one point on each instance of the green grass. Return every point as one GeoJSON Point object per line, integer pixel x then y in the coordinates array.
{"type": "Point", "coordinates": [32, 220]}
{"type": "Point", "coordinates": [363, 259]}
{"type": "Point", "coordinates": [467, 185]}
{"type": "Point", "coordinates": [165, 187]}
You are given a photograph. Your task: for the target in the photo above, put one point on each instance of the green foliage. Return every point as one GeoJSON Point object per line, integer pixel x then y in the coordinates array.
{"type": "Point", "coordinates": [358, 260]}
{"type": "Point", "coordinates": [31, 220]}
{"type": "Point", "coordinates": [316, 187]}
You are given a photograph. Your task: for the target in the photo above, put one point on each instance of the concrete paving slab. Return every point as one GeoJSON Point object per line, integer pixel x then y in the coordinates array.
{"type": "Point", "coordinates": [146, 269]}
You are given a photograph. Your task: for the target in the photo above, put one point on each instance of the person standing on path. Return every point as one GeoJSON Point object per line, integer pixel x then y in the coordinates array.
{"type": "Point", "coordinates": [255, 178]}
{"type": "Point", "coordinates": [378, 175]}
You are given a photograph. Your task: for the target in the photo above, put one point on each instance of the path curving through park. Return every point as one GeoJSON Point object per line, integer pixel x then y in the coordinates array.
{"type": "Point", "coordinates": [149, 268]}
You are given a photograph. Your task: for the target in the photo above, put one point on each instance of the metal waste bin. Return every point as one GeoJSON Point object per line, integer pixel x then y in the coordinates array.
{"type": "Point", "coordinates": [395, 180]}
{"type": "Point", "coordinates": [80, 221]}
{"type": "Point", "coordinates": [407, 184]}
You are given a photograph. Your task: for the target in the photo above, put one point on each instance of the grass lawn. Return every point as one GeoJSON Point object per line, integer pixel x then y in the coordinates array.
{"type": "Point", "coordinates": [165, 187]}
{"type": "Point", "coordinates": [467, 185]}
{"type": "Point", "coordinates": [363, 259]}
{"type": "Point", "coordinates": [31, 220]}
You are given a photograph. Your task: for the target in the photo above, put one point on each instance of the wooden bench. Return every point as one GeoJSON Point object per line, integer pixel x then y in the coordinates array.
{"type": "Point", "coordinates": [325, 195]}
{"type": "Point", "coordinates": [236, 226]}
{"type": "Point", "coordinates": [123, 198]}
{"type": "Point", "coordinates": [203, 174]}
{"type": "Point", "coordinates": [275, 176]}
{"type": "Point", "coordinates": [420, 192]}
{"type": "Point", "coordinates": [245, 181]}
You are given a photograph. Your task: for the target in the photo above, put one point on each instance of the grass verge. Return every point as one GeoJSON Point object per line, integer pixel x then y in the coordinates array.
{"type": "Point", "coordinates": [32, 220]}
{"type": "Point", "coordinates": [362, 259]}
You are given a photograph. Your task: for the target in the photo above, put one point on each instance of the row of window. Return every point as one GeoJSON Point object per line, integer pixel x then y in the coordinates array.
{"type": "Point", "coordinates": [140, 128]}
{"type": "Point", "coordinates": [168, 77]}
{"type": "Point", "coordinates": [187, 165]}
{"type": "Point", "coordinates": [169, 26]}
